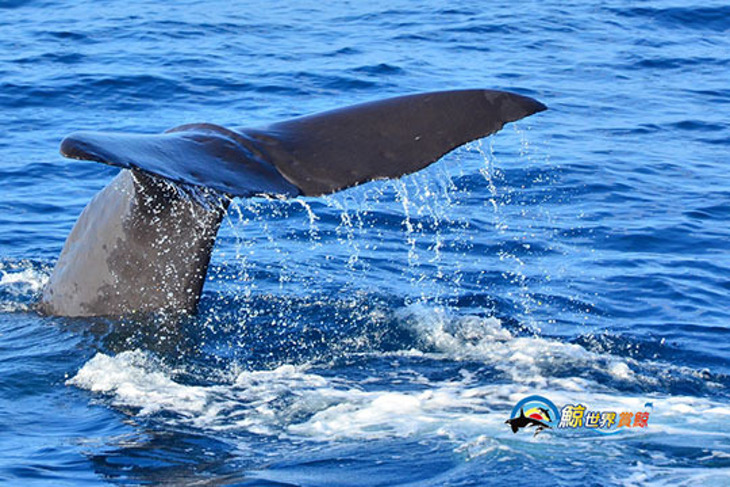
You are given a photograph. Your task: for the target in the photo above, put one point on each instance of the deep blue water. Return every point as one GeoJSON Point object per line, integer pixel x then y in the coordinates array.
{"type": "Point", "coordinates": [381, 336]}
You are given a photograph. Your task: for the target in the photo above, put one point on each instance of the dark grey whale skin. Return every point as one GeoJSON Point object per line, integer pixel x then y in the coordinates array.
{"type": "Point", "coordinates": [140, 245]}
{"type": "Point", "coordinates": [143, 243]}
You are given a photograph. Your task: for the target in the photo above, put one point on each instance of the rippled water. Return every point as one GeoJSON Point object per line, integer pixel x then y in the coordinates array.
{"type": "Point", "coordinates": [381, 336]}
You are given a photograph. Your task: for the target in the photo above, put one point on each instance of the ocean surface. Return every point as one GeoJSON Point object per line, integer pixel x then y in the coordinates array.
{"type": "Point", "coordinates": [383, 335]}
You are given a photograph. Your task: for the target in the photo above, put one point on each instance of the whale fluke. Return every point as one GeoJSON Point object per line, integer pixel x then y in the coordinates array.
{"type": "Point", "coordinates": [202, 154]}
{"type": "Point", "coordinates": [331, 151]}
{"type": "Point", "coordinates": [144, 242]}
{"type": "Point", "coordinates": [313, 155]}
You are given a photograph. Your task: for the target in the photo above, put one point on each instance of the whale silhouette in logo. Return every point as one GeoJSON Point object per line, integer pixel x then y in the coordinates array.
{"type": "Point", "coordinates": [143, 243]}
{"type": "Point", "coordinates": [523, 421]}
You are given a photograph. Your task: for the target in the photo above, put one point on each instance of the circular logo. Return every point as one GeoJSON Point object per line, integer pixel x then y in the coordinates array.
{"type": "Point", "coordinates": [535, 410]}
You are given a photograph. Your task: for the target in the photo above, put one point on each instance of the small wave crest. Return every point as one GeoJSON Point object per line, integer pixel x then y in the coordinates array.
{"type": "Point", "coordinates": [701, 18]}
{"type": "Point", "coordinates": [21, 284]}
{"type": "Point", "coordinates": [527, 359]}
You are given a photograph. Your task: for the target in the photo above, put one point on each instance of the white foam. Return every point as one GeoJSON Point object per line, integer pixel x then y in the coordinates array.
{"type": "Point", "coordinates": [127, 377]}
{"type": "Point", "coordinates": [525, 359]}
{"type": "Point", "coordinates": [379, 414]}
{"type": "Point", "coordinates": [289, 401]}
{"type": "Point", "coordinates": [29, 279]}
{"type": "Point", "coordinates": [284, 401]}
{"type": "Point", "coordinates": [297, 402]}
{"type": "Point", "coordinates": [22, 283]}
{"type": "Point", "coordinates": [655, 476]}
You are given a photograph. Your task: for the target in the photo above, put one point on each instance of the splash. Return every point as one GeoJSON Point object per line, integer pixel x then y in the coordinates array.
{"type": "Point", "coordinates": [21, 284]}
{"type": "Point", "coordinates": [420, 228]}
{"type": "Point", "coordinates": [306, 403]}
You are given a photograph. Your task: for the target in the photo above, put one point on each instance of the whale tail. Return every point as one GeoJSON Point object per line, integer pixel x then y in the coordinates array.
{"type": "Point", "coordinates": [144, 242]}
{"type": "Point", "coordinates": [141, 244]}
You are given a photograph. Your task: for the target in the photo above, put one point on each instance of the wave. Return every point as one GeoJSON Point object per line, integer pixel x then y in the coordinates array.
{"type": "Point", "coordinates": [491, 368]}
{"type": "Point", "coordinates": [21, 283]}
{"type": "Point", "coordinates": [700, 18]}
